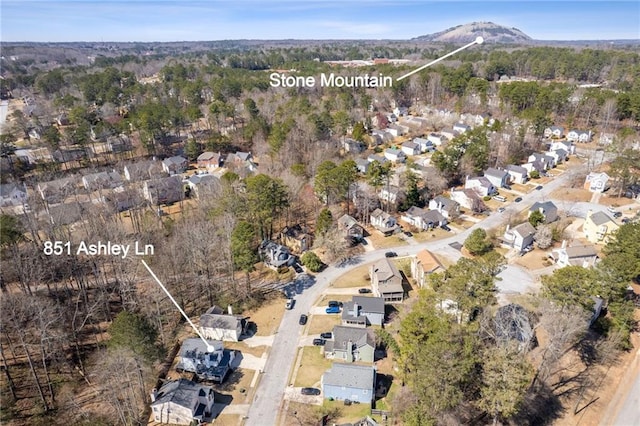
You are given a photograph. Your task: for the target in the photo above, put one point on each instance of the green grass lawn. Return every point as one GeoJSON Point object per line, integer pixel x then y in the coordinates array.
{"type": "Point", "coordinates": [313, 366]}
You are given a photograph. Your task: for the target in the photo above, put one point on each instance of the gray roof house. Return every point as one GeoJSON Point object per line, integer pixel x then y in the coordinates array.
{"type": "Point", "coordinates": [204, 185]}
{"type": "Point", "coordinates": [350, 227]}
{"type": "Point", "coordinates": [352, 145]}
{"type": "Point", "coordinates": [410, 148]}
{"type": "Point", "coordinates": [386, 281]}
{"type": "Point", "coordinates": [517, 174]}
{"type": "Point", "coordinates": [12, 194]}
{"type": "Point", "coordinates": [362, 164]}
{"type": "Point", "coordinates": [395, 155]}
{"type": "Point", "coordinates": [446, 206]}
{"type": "Point", "coordinates": [383, 222]}
{"type": "Point", "coordinates": [547, 161]}
{"type": "Point", "coordinates": [520, 236]}
{"type": "Point", "coordinates": [548, 210]}
{"type": "Point", "coordinates": [57, 190]}
{"type": "Point", "coordinates": [216, 324]}
{"type": "Point", "coordinates": [101, 180]}
{"type": "Point", "coordinates": [423, 219]}
{"type": "Point", "coordinates": [349, 381]}
{"type": "Point", "coordinates": [363, 311]}
{"type": "Point", "coordinates": [579, 255]}
{"type": "Point", "coordinates": [211, 366]}
{"type": "Point", "coordinates": [481, 185]}
{"type": "Point", "coordinates": [350, 344]}
{"type": "Point", "coordinates": [210, 159]}
{"type": "Point", "coordinates": [163, 191]}
{"type": "Point", "coordinates": [143, 170]}
{"type": "Point", "coordinates": [275, 256]}
{"type": "Point", "coordinates": [174, 165]}
{"type": "Point", "coordinates": [499, 178]}
{"type": "Point", "coordinates": [181, 402]}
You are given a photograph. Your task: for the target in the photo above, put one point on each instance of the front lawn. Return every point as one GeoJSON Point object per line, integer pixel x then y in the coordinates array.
{"type": "Point", "coordinates": [312, 366]}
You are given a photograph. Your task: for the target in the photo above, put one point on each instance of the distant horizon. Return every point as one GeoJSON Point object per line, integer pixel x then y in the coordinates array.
{"type": "Point", "coordinates": [164, 21]}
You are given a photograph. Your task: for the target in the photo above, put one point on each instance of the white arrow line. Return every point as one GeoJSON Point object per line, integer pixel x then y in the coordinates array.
{"type": "Point", "coordinates": [209, 347]}
{"type": "Point", "coordinates": [478, 40]}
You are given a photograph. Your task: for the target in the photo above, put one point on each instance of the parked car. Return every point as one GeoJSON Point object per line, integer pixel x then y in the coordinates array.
{"type": "Point", "coordinates": [500, 198]}
{"type": "Point", "coordinates": [408, 234]}
{"type": "Point", "coordinates": [326, 335]}
{"type": "Point", "coordinates": [303, 319]}
{"type": "Point", "coordinates": [446, 228]}
{"type": "Point", "coordinates": [617, 214]}
{"type": "Point", "coordinates": [626, 220]}
{"type": "Point", "coordinates": [611, 209]}
{"type": "Point", "coordinates": [390, 254]}
{"type": "Point", "coordinates": [297, 268]}
{"type": "Point", "coordinates": [318, 342]}
{"type": "Point", "coordinates": [333, 310]}
{"type": "Point", "coordinates": [539, 187]}
{"type": "Point", "coordinates": [310, 391]}
{"type": "Point", "coordinates": [517, 200]}
{"type": "Point", "coordinates": [501, 209]}
{"type": "Point", "coordinates": [290, 303]}
{"type": "Point", "coordinates": [364, 290]}
{"type": "Point", "coordinates": [333, 303]}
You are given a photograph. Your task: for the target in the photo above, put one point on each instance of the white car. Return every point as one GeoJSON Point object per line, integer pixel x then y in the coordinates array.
{"type": "Point", "coordinates": [611, 209]}
{"type": "Point", "coordinates": [289, 304]}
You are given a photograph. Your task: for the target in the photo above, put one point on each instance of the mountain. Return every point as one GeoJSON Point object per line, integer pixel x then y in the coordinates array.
{"type": "Point", "coordinates": [492, 33]}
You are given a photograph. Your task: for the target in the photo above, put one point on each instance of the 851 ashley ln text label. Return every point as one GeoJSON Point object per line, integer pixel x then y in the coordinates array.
{"type": "Point", "coordinates": [58, 248]}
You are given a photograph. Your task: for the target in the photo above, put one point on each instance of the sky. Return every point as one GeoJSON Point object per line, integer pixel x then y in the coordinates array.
{"type": "Point", "coordinates": [164, 20]}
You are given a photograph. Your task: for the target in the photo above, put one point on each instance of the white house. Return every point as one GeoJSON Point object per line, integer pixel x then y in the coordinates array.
{"type": "Point", "coordinates": [395, 155]}
{"type": "Point", "coordinates": [597, 182]}
{"type": "Point", "coordinates": [519, 237]}
{"type": "Point", "coordinates": [426, 145]}
{"type": "Point", "coordinates": [391, 194]}
{"type": "Point", "coordinates": [401, 111]}
{"type": "Point", "coordinates": [517, 174]}
{"type": "Point", "coordinates": [449, 133]}
{"type": "Point", "coordinates": [182, 402]}
{"type": "Point", "coordinates": [446, 206]}
{"type": "Point", "coordinates": [499, 178]}
{"type": "Point", "coordinates": [12, 194]}
{"type": "Point", "coordinates": [423, 219]}
{"type": "Point", "coordinates": [583, 136]}
{"type": "Point", "coordinates": [555, 132]}
{"type": "Point", "coordinates": [215, 324]}
{"type": "Point", "coordinates": [383, 222]}
{"type": "Point", "coordinates": [566, 145]}
{"type": "Point", "coordinates": [481, 185]}
{"type": "Point", "coordinates": [467, 198]}
{"type": "Point", "coordinates": [410, 148]}
{"type": "Point", "coordinates": [579, 255]}
{"type": "Point", "coordinates": [547, 161]}
{"type": "Point", "coordinates": [437, 138]}
{"type": "Point", "coordinates": [548, 210]}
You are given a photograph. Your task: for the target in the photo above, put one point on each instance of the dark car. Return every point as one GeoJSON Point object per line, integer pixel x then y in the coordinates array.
{"type": "Point", "coordinates": [333, 303]}
{"type": "Point", "coordinates": [303, 319]}
{"type": "Point", "coordinates": [517, 200]}
{"type": "Point", "coordinates": [327, 335]}
{"type": "Point", "coordinates": [626, 220]}
{"type": "Point", "coordinates": [364, 290]}
{"type": "Point", "coordinates": [617, 214]}
{"type": "Point", "coordinates": [539, 187]}
{"type": "Point", "coordinates": [297, 268]}
{"type": "Point", "coordinates": [310, 391]}
{"type": "Point", "coordinates": [318, 342]}
{"type": "Point", "coordinates": [446, 228]}
{"type": "Point", "coordinates": [408, 234]}
{"type": "Point", "coordinates": [390, 254]}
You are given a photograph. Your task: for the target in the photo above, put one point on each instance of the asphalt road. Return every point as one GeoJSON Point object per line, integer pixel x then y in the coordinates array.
{"type": "Point", "coordinates": [266, 405]}
{"type": "Point", "coordinates": [629, 414]}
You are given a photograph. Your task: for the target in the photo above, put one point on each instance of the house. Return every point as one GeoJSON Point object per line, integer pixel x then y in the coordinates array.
{"type": "Point", "coordinates": [397, 129]}
{"type": "Point", "coordinates": [12, 194]}
{"type": "Point", "coordinates": [547, 161]}
{"type": "Point", "coordinates": [565, 145]}
{"type": "Point", "coordinates": [380, 159]}
{"type": "Point", "coordinates": [517, 174]}
{"type": "Point", "coordinates": [598, 227]}
{"type": "Point", "coordinates": [386, 281]}
{"type": "Point", "coordinates": [597, 182]}
{"type": "Point", "coordinates": [481, 185]}
{"type": "Point", "coordinates": [423, 219]}
{"type": "Point", "coordinates": [143, 170]}
{"type": "Point", "coordinates": [33, 156]}
{"type": "Point", "coordinates": [425, 145]}
{"type": "Point", "coordinates": [395, 155]}
{"type": "Point", "coordinates": [447, 207]}
{"type": "Point", "coordinates": [195, 357]}
{"type": "Point", "coordinates": [437, 138]}
{"type": "Point", "coordinates": [210, 160]}
{"type": "Point", "coordinates": [499, 178]}
{"type": "Point", "coordinates": [119, 143]}
{"type": "Point", "coordinates": [296, 237]}
{"type": "Point", "coordinates": [215, 324]}
{"type": "Point", "coordinates": [276, 256]}
{"type": "Point", "coordinates": [535, 166]}
{"type": "Point", "coordinates": [363, 311]}
{"type": "Point", "coordinates": [353, 146]}
{"type": "Point", "coordinates": [448, 133]}
{"type": "Point", "coordinates": [381, 136]}
{"type": "Point", "coordinates": [584, 255]}
{"type": "Point", "coordinates": [349, 381]}
{"type": "Point", "coordinates": [174, 165]}
{"type": "Point", "coordinates": [123, 200]}
{"type": "Point", "coordinates": [392, 195]}
{"type": "Point", "coordinates": [410, 148]}
{"type": "Point", "coordinates": [101, 180]}
{"type": "Point", "coordinates": [401, 111]}
{"type": "Point", "coordinates": [480, 119]}
{"type": "Point", "coordinates": [548, 210]}
{"type": "Point", "coordinates": [468, 199]}
{"type": "Point", "coordinates": [350, 344]}
{"type": "Point", "coordinates": [559, 155]}
{"type": "Point", "coordinates": [163, 191]}
{"type": "Point", "coordinates": [583, 136]}
{"type": "Point", "coordinates": [554, 132]}
{"type": "Point", "coordinates": [383, 222]}
{"type": "Point", "coordinates": [182, 402]}
{"type": "Point", "coordinates": [606, 138]}
{"type": "Point", "coordinates": [461, 127]}
{"type": "Point", "coordinates": [204, 185]}
{"type": "Point", "coordinates": [67, 155]}
{"type": "Point", "coordinates": [56, 191]}
{"type": "Point", "coordinates": [350, 227]}
{"type": "Point", "coordinates": [519, 237]}
{"type": "Point", "coordinates": [362, 165]}
{"type": "Point", "coordinates": [423, 264]}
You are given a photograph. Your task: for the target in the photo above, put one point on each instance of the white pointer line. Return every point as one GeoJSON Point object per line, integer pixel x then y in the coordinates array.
{"type": "Point", "coordinates": [209, 347]}
{"type": "Point", "coordinates": [478, 40]}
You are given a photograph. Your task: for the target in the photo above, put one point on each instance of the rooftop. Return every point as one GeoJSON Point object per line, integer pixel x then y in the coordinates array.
{"type": "Point", "coordinates": [350, 375]}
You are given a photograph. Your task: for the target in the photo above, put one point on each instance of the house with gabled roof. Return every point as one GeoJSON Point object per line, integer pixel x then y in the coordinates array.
{"type": "Point", "coordinates": [565, 145]}
{"type": "Point", "coordinates": [353, 146]}
{"type": "Point", "coordinates": [461, 127]}
{"type": "Point", "coordinates": [102, 180]}
{"type": "Point", "coordinates": [437, 138]}
{"type": "Point", "coordinates": [349, 381]}
{"type": "Point", "coordinates": [548, 210]}
{"type": "Point", "coordinates": [582, 136]}
{"type": "Point", "coordinates": [598, 227]}
{"type": "Point", "coordinates": [163, 191]}
{"type": "Point", "coordinates": [555, 132]}
{"type": "Point", "coordinates": [537, 166]}
{"type": "Point", "coordinates": [196, 357]}
{"type": "Point", "coordinates": [584, 255]}
{"type": "Point", "coordinates": [425, 145]}
{"type": "Point", "coordinates": [519, 237]}
{"type": "Point", "coordinates": [210, 160]}
{"type": "Point", "coordinates": [56, 191]}
{"type": "Point", "coordinates": [410, 148]}
{"type": "Point", "coordinates": [517, 174]}
{"type": "Point", "coordinates": [499, 178]}
{"type": "Point", "coordinates": [597, 182]}
{"type": "Point", "coordinates": [350, 344]}
{"type": "Point", "coordinates": [174, 165]}
{"type": "Point", "coordinates": [386, 281]}
{"type": "Point", "coordinates": [350, 227]}
{"type": "Point", "coordinates": [297, 237]}
{"type": "Point", "coordinates": [182, 402]}
{"type": "Point", "coordinates": [204, 185]}
{"type": "Point", "coordinates": [468, 199]}
{"type": "Point", "coordinates": [423, 219]}
{"type": "Point", "coordinates": [383, 222]}
{"type": "Point", "coordinates": [481, 185]}
{"type": "Point", "coordinates": [276, 256]}
{"type": "Point", "coordinates": [363, 311]}
{"type": "Point", "coordinates": [143, 170]}
{"type": "Point", "coordinates": [547, 161]}
{"type": "Point", "coordinates": [395, 155]}
{"type": "Point", "coordinates": [216, 324]}
{"type": "Point", "coordinates": [12, 194]}
{"type": "Point", "coordinates": [423, 264]}
{"type": "Point", "coordinates": [446, 206]}
{"type": "Point", "coordinates": [362, 165]}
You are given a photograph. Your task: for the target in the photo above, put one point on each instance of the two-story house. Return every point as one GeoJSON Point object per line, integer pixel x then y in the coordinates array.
{"type": "Point", "coordinates": [101, 180]}
{"type": "Point", "coordinates": [182, 402]}
{"type": "Point", "coordinates": [210, 160]}
{"type": "Point", "coordinates": [582, 136]}
{"type": "Point", "coordinates": [548, 210]}
{"type": "Point", "coordinates": [499, 178]}
{"type": "Point", "coordinates": [481, 185]}
{"type": "Point", "coordinates": [584, 255]}
{"type": "Point", "coordinates": [197, 358]}
{"type": "Point", "coordinates": [555, 132]}
{"type": "Point", "coordinates": [423, 219]}
{"type": "Point", "coordinates": [597, 182]}
{"type": "Point", "coordinates": [350, 344]}
{"type": "Point", "coordinates": [598, 227]}
{"type": "Point", "coordinates": [386, 281]}
{"type": "Point", "coordinates": [395, 155]}
{"type": "Point", "coordinates": [363, 311]}
{"type": "Point", "coordinates": [163, 191]}
{"type": "Point", "coordinates": [517, 174]}
{"type": "Point", "coordinates": [423, 264]}
{"type": "Point", "coordinates": [383, 222]}
{"type": "Point", "coordinates": [519, 237]}
{"type": "Point", "coordinates": [174, 165]}
{"type": "Point", "coordinates": [410, 148]}
{"type": "Point", "coordinates": [350, 227]}
{"type": "Point", "coordinates": [216, 324]}
{"type": "Point", "coordinates": [12, 194]}
{"type": "Point", "coordinates": [446, 206]}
